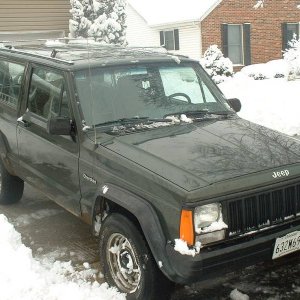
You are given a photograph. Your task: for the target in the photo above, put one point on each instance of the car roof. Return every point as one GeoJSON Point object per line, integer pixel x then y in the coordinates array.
{"type": "Point", "coordinates": [82, 54]}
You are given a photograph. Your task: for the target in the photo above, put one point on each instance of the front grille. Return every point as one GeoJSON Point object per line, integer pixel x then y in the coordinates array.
{"type": "Point", "coordinates": [263, 209]}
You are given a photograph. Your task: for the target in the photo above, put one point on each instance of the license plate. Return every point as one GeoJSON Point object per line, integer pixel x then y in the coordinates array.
{"type": "Point", "coordinates": [287, 244]}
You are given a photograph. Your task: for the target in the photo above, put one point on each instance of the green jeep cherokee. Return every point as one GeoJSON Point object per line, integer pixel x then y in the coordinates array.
{"type": "Point", "coordinates": [145, 148]}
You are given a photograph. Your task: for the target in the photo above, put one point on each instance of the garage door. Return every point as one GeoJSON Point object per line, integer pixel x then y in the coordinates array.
{"type": "Point", "coordinates": [34, 15]}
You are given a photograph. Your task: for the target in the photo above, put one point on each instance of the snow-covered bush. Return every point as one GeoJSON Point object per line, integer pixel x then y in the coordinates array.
{"type": "Point", "coordinates": [103, 20]}
{"type": "Point", "coordinates": [258, 76]}
{"type": "Point", "coordinates": [216, 65]}
{"type": "Point", "coordinates": [292, 56]}
{"type": "Point", "coordinates": [273, 69]}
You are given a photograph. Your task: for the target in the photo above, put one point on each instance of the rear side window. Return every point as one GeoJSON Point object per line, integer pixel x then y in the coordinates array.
{"type": "Point", "coordinates": [11, 76]}
{"type": "Point", "coordinates": [47, 93]}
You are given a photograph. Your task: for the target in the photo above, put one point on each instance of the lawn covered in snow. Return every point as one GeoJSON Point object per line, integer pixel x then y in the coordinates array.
{"type": "Point", "coordinates": [24, 277]}
{"type": "Point", "coordinates": [271, 102]}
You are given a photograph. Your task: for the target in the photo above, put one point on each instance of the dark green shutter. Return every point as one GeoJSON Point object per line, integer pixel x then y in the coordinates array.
{"type": "Point", "coordinates": [247, 44]}
{"type": "Point", "coordinates": [284, 36]}
{"type": "Point", "coordinates": [224, 30]}
{"type": "Point", "coordinates": [162, 38]}
{"type": "Point", "coordinates": [176, 39]}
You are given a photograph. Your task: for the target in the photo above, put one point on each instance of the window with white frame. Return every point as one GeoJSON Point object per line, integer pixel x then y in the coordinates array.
{"type": "Point", "coordinates": [236, 43]}
{"type": "Point", "coordinates": [170, 39]}
{"type": "Point", "coordinates": [289, 31]}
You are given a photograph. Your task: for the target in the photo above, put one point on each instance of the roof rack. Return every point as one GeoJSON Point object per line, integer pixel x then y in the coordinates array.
{"type": "Point", "coordinates": [35, 48]}
{"type": "Point", "coordinates": [12, 50]}
{"type": "Point", "coordinates": [9, 46]}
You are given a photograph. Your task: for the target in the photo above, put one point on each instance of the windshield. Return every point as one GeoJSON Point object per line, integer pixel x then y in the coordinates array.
{"type": "Point", "coordinates": [140, 91]}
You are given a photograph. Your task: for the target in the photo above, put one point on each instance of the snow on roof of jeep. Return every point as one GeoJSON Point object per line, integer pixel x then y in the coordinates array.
{"type": "Point", "coordinates": [74, 52]}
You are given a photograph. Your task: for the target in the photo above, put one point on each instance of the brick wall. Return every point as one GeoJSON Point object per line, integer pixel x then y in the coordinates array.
{"type": "Point", "coordinates": [266, 32]}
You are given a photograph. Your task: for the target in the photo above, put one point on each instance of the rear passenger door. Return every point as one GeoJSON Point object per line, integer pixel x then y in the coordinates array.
{"type": "Point", "coordinates": [11, 77]}
{"type": "Point", "coordinates": [49, 162]}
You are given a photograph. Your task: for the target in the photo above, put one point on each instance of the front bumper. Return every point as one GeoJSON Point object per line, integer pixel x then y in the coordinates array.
{"type": "Point", "coordinates": [214, 262]}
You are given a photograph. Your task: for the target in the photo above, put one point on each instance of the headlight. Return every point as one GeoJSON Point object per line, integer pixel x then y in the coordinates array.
{"type": "Point", "coordinates": [205, 215]}
{"type": "Point", "coordinates": [209, 224]}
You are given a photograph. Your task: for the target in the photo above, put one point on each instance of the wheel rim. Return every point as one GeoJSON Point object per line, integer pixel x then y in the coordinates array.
{"type": "Point", "coordinates": [123, 263]}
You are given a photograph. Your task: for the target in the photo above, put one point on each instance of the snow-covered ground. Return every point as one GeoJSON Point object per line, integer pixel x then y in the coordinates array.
{"type": "Point", "coordinates": [272, 102]}
{"type": "Point", "coordinates": [24, 277]}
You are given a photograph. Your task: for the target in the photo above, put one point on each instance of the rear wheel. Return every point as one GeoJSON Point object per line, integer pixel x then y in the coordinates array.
{"type": "Point", "coordinates": [11, 187]}
{"type": "Point", "coordinates": [127, 262]}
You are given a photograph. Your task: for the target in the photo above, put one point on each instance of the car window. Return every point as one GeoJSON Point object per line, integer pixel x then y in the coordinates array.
{"type": "Point", "coordinates": [147, 90]}
{"type": "Point", "coordinates": [47, 94]}
{"type": "Point", "coordinates": [184, 80]}
{"type": "Point", "coordinates": [59, 105]}
{"type": "Point", "coordinates": [11, 76]}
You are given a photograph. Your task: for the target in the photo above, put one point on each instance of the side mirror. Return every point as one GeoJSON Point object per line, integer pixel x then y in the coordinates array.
{"type": "Point", "coordinates": [235, 104]}
{"type": "Point", "coordinates": [59, 126]}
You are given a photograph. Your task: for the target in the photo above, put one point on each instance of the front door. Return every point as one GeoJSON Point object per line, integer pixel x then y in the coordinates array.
{"type": "Point", "coordinates": [49, 162]}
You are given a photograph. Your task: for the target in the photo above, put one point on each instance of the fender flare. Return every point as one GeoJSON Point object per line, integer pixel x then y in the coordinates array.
{"type": "Point", "coordinates": [147, 218]}
{"type": "Point", "coordinates": [3, 146]}
{"type": "Point", "coordinates": [4, 150]}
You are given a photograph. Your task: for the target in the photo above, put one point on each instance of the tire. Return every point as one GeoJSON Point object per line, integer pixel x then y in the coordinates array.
{"type": "Point", "coordinates": [141, 279]}
{"type": "Point", "coordinates": [11, 187]}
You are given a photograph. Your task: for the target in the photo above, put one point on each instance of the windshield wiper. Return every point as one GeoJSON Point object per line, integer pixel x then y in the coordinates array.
{"type": "Point", "coordinates": [188, 113]}
{"type": "Point", "coordinates": [134, 120]}
{"type": "Point", "coordinates": [202, 112]}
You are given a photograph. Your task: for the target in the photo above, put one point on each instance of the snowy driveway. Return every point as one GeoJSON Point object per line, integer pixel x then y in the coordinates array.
{"type": "Point", "coordinates": [54, 234]}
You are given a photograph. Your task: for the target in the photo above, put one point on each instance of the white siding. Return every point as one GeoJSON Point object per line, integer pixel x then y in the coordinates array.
{"type": "Point", "coordinates": [138, 31]}
{"type": "Point", "coordinates": [189, 41]}
{"type": "Point", "coordinates": [36, 15]}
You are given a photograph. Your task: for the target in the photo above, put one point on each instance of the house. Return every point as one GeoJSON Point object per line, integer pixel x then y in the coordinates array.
{"type": "Point", "coordinates": [174, 24]}
{"type": "Point", "coordinates": [29, 19]}
{"type": "Point", "coordinates": [246, 35]}
{"type": "Point", "coordinates": [249, 35]}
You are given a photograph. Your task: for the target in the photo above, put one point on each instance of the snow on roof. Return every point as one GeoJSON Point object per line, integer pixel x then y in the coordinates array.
{"type": "Point", "coordinates": [157, 12]}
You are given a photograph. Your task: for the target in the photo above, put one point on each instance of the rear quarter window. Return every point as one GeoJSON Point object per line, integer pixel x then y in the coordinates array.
{"type": "Point", "coordinates": [11, 76]}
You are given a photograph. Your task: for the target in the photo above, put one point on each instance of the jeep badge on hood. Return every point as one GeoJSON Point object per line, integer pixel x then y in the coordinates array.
{"type": "Point", "coordinates": [283, 173]}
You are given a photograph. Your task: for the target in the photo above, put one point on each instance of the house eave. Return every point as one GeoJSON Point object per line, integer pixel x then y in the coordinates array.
{"type": "Point", "coordinates": [208, 12]}
{"type": "Point", "coordinates": [175, 24]}
{"type": "Point", "coordinates": [178, 23]}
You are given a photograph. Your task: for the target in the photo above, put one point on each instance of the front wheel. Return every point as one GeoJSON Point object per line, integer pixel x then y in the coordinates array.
{"type": "Point", "coordinates": [127, 262]}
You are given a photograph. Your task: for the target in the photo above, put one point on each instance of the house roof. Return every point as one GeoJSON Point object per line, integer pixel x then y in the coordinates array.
{"type": "Point", "coordinates": [159, 12]}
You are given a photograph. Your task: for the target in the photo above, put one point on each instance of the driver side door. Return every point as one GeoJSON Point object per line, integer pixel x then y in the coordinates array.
{"type": "Point", "coordinates": [49, 162]}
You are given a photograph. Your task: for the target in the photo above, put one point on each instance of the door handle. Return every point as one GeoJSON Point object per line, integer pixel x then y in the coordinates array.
{"type": "Point", "coordinates": [24, 123]}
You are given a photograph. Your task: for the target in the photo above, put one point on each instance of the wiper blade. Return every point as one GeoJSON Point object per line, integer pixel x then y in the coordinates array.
{"type": "Point", "coordinates": [134, 120]}
{"type": "Point", "coordinates": [198, 112]}
{"type": "Point", "coordinates": [189, 112]}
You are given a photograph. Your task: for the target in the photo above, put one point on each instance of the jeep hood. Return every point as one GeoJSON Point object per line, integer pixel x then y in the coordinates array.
{"type": "Point", "coordinates": [200, 154]}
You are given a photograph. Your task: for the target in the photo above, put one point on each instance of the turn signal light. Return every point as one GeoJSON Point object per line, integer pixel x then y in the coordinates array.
{"type": "Point", "coordinates": [187, 227]}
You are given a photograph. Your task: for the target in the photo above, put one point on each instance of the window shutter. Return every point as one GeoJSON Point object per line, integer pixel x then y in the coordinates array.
{"type": "Point", "coordinates": [224, 30]}
{"type": "Point", "coordinates": [162, 38]}
{"type": "Point", "coordinates": [284, 36]}
{"type": "Point", "coordinates": [176, 39]}
{"type": "Point", "coordinates": [247, 44]}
